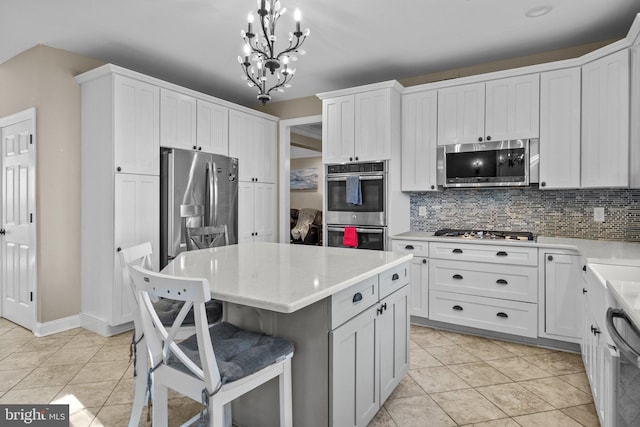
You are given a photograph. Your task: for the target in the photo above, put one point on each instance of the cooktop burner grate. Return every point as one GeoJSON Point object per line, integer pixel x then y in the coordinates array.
{"type": "Point", "coordinates": [485, 234]}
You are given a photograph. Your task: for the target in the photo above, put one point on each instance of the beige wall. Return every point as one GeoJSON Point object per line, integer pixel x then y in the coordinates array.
{"type": "Point", "coordinates": [308, 198]}
{"type": "Point", "coordinates": [42, 77]}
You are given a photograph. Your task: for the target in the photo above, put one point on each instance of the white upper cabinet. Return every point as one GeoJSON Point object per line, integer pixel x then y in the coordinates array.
{"type": "Point", "coordinates": [212, 133]}
{"type": "Point", "coordinates": [361, 126]}
{"type": "Point", "coordinates": [252, 140]}
{"type": "Point", "coordinates": [338, 129]}
{"type": "Point", "coordinates": [419, 134]}
{"type": "Point", "coordinates": [373, 125]}
{"type": "Point", "coordinates": [497, 110]}
{"type": "Point", "coordinates": [560, 129]}
{"type": "Point", "coordinates": [605, 121]}
{"type": "Point", "coordinates": [177, 120]}
{"type": "Point", "coordinates": [512, 108]}
{"type": "Point", "coordinates": [461, 114]}
{"type": "Point", "coordinates": [136, 140]}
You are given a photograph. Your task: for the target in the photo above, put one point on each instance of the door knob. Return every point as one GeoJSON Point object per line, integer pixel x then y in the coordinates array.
{"type": "Point", "coordinates": [3, 231]}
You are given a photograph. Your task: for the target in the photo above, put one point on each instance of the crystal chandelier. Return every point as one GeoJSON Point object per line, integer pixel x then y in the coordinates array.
{"type": "Point", "coordinates": [263, 67]}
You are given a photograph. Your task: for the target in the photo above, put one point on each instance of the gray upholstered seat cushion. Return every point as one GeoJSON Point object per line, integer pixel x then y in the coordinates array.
{"type": "Point", "coordinates": [238, 352]}
{"type": "Point", "coordinates": [168, 309]}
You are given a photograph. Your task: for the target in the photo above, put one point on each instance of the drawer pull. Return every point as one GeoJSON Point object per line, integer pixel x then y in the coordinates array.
{"type": "Point", "coordinates": [584, 290]}
{"type": "Point", "coordinates": [457, 308]}
{"type": "Point", "coordinates": [502, 253]}
{"type": "Point", "coordinates": [395, 276]}
{"type": "Point", "coordinates": [503, 315]}
{"type": "Point", "coordinates": [457, 277]}
{"type": "Point", "coordinates": [457, 251]}
{"type": "Point", "coordinates": [409, 247]}
{"type": "Point", "coordinates": [502, 282]}
{"type": "Point", "coordinates": [357, 297]}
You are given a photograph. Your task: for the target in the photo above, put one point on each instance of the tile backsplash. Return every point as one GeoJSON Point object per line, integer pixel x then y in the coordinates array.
{"type": "Point", "coordinates": [557, 213]}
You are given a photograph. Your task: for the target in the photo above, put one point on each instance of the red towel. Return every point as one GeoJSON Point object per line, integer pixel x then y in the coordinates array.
{"type": "Point", "coordinates": [350, 237]}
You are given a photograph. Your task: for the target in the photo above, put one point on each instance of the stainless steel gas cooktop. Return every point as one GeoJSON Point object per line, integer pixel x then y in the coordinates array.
{"type": "Point", "coordinates": [485, 234]}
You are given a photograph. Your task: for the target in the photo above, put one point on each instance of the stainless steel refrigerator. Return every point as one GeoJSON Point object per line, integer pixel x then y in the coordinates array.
{"type": "Point", "coordinates": [196, 189]}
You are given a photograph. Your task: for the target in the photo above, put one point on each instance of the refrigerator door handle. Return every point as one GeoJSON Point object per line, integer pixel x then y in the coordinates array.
{"type": "Point", "coordinates": [211, 207]}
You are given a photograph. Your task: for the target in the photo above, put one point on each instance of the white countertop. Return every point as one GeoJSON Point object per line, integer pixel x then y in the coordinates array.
{"type": "Point", "coordinates": [280, 277]}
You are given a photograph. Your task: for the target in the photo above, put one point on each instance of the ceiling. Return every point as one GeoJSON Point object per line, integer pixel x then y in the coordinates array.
{"type": "Point", "coordinates": [195, 43]}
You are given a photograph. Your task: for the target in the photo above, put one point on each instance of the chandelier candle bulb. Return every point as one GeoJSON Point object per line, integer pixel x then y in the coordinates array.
{"type": "Point", "coordinates": [250, 19]}
{"type": "Point", "coordinates": [297, 16]}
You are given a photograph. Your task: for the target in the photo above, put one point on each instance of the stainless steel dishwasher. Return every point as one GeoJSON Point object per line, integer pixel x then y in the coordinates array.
{"type": "Point", "coordinates": [626, 337]}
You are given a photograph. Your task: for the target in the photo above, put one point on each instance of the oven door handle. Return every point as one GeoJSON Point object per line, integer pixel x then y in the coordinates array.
{"type": "Point", "coordinates": [362, 178]}
{"type": "Point", "coordinates": [358, 230]}
{"type": "Point", "coordinates": [620, 342]}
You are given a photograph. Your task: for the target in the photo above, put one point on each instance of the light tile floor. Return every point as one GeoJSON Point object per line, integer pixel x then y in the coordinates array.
{"type": "Point", "coordinates": [455, 379]}
{"type": "Point", "coordinates": [463, 380]}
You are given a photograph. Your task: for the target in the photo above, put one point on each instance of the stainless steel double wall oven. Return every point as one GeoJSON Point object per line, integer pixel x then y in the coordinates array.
{"type": "Point", "coordinates": [370, 217]}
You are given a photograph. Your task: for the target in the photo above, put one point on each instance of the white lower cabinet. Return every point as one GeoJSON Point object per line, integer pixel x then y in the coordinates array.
{"type": "Point", "coordinates": [562, 297]}
{"type": "Point", "coordinates": [419, 292]}
{"type": "Point", "coordinates": [491, 287]}
{"type": "Point", "coordinates": [491, 314]}
{"type": "Point", "coordinates": [256, 212]}
{"type": "Point", "coordinates": [369, 354]}
{"type": "Point", "coordinates": [136, 220]}
{"type": "Point", "coordinates": [601, 363]}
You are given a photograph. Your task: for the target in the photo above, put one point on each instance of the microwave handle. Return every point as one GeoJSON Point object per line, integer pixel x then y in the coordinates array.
{"type": "Point", "coordinates": [362, 178]}
{"type": "Point", "coordinates": [358, 230]}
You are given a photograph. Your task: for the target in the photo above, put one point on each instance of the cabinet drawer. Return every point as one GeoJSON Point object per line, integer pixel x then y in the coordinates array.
{"type": "Point", "coordinates": [415, 247]}
{"type": "Point", "coordinates": [393, 279]}
{"type": "Point", "coordinates": [503, 254]}
{"type": "Point", "coordinates": [353, 300]}
{"type": "Point", "coordinates": [519, 283]}
{"type": "Point", "coordinates": [511, 317]}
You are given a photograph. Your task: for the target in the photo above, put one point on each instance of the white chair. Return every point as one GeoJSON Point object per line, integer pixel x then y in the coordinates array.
{"type": "Point", "coordinates": [207, 237]}
{"type": "Point", "coordinates": [214, 366]}
{"type": "Point", "coordinates": [137, 255]}
{"type": "Point", "coordinates": [141, 255]}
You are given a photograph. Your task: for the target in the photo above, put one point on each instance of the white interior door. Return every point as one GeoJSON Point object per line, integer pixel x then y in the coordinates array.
{"type": "Point", "coordinates": [18, 249]}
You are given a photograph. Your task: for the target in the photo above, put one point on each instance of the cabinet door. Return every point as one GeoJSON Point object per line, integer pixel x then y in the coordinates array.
{"type": "Point", "coordinates": [137, 132]}
{"type": "Point", "coordinates": [461, 114]}
{"type": "Point", "coordinates": [394, 341]}
{"type": "Point", "coordinates": [136, 220]}
{"type": "Point", "coordinates": [560, 129]}
{"type": "Point", "coordinates": [373, 125]}
{"type": "Point", "coordinates": [354, 367]}
{"type": "Point", "coordinates": [212, 132]}
{"type": "Point", "coordinates": [177, 120]}
{"type": "Point", "coordinates": [419, 141]}
{"type": "Point", "coordinates": [264, 150]}
{"type": "Point", "coordinates": [338, 132]}
{"type": "Point", "coordinates": [419, 287]}
{"type": "Point", "coordinates": [605, 122]}
{"type": "Point", "coordinates": [513, 108]}
{"type": "Point", "coordinates": [246, 207]}
{"type": "Point", "coordinates": [264, 212]}
{"type": "Point", "coordinates": [241, 146]}
{"type": "Point", "coordinates": [563, 296]}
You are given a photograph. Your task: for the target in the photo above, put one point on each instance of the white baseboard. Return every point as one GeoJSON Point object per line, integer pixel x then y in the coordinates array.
{"type": "Point", "coordinates": [55, 326]}
{"type": "Point", "coordinates": [101, 327]}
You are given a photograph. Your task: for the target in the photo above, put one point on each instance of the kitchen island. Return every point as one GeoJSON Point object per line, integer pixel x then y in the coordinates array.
{"type": "Point", "coordinates": [345, 311]}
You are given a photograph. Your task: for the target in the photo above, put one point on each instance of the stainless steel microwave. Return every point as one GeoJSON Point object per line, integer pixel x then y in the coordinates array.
{"type": "Point", "coordinates": [490, 164]}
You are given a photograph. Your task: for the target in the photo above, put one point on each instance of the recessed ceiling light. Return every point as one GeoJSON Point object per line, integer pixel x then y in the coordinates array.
{"type": "Point", "coordinates": [538, 11]}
